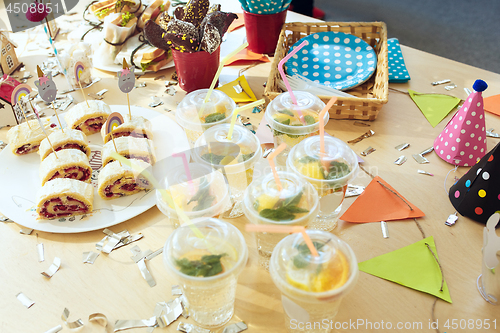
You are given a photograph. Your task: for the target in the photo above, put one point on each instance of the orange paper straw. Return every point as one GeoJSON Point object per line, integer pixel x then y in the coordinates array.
{"type": "Point", "coordinates": [322, 130]}
{"type": "Point", "coordinates": [285, 230]}
{"type": "Point", "coordinates": [273, 167]}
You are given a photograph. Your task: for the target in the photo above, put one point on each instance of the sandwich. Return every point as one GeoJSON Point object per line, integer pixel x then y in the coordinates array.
{"type": "Point", "coordinates": [103, 8]}
{"type": "Point", "coordinates": [147, 57]}
{"type": "Point", "coordinates": [153, 11]}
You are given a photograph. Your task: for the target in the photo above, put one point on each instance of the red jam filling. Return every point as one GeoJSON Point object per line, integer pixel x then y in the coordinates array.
{"type": "Point", "coordinates": [77, 173]}
{"type": "Point", "coordinates": [26, 149]}
{"type": "Point", "coordinates": [93, 124]}
{"type": "Point", "coordinates": [133, 134]}
{"type": "Point", "coordinates": [56, 208]}
{"type": "Point", "coordinates": [127, 187]}
{"type": "Point", "coordinates": [72, 146]}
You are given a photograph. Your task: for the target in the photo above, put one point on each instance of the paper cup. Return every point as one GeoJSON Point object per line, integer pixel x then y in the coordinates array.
{"type": "Point", "coordinates": [196, 70]}
{"type": "Point", "coordinates": [263, 31]}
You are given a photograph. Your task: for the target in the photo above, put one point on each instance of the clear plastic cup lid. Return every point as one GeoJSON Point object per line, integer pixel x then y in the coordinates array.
{"type": "Point", "coordinates": [339, 164]}
{"type": "Point", "coordinates": [334, 271]}
{"type": "Point", "coordinates": [283, 115]}
{"type": "Point", "coordinates": [217, 110]}
{"type": "Point", "coordinates": [215, 149]}
{"type": "Point", "coordinates": [206, 249]}
{"type": "Point", "coordinates": [265, 203]}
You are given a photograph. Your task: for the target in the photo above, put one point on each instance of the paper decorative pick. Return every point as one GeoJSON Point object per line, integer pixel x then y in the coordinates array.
{"type": "Point", "coordinates": [126, 78]}
{"type": "Point", "coordinates": [413, 266]}
{"type": "Point", "coordinates": [114, 120]}
{"type": "Point", "coordinates": [463, 140]}
{"type": "Point", "coordinates": [19, 92]}
{"type": "Point", "coordinates": [380, 202]}
{"type": "Point", "coordinates": [492, 104]}
{"type": "Point", "coordinates": [79, 68]}
{"type": "Point", "coordinates": [477, 194]}
{"type": "Point", "coordinates": [435, 107]}
{"type": "Point", "coordinates": [46, 86]}
{"type": "Point", "coordinates": [238, 90]}
{"type": "Point", "coordinates": [245, 56]}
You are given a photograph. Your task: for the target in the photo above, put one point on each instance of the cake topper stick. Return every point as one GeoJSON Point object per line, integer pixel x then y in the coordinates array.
{"type": "Point", "coordinates": [47, 90]}
{"type": "Point", "coordinates": [126, 82]}
{"type": "Point", "coordinates": [114, 120]}
{"type": "Point", "coordinates": [21, 91]}
{"type": "Point", "coordinates": [79, 68]}
{"type": "Point", "coordinates": [43, 128]}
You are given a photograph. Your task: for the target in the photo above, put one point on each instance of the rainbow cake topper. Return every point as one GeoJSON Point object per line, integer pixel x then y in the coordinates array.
{"type": "Point", "coordinates": [114, 120]}
{"type": "Point", "coordinates": [46, 86]}
{"type": "Point", "coordinates": [79, 68]}
{"type": "Point", "coordinates": [126, 78]}
{"type": "Point", "coordinates": [20, 92]}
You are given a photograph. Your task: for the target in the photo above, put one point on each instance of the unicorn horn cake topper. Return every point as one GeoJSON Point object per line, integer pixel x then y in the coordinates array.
{"type": "Point", "coordinates": [46, 86]}
{"type": "Point", "coordinates": [126, 78]}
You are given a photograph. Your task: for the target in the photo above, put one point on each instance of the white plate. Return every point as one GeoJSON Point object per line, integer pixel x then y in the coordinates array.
{"type": "Point", "coordinates": [115, 68]}
{"type": "Point", "coordinates": [20, 181]}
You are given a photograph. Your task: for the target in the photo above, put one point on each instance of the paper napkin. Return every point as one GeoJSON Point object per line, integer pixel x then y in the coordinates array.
{"type": "Point", "coordinates": [397, 67]}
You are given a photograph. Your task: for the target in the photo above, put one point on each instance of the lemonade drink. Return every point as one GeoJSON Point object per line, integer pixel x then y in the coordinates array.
{"type": "Point", "coordinates": [296, 204]}
{"type": "Point", "coordinates": [206, 259]}
{"type": "Point", "coordinates": [312, 287]}
{"type": "Point", "coordinates": [285, 121]}
{"type": "Point", "coordinates": [205, 196]}
{"type": "Point", "coordinates": [329, 175]}
{"type": "Point", "coordinates": [196, 117]}
{"type": "Point", "coordinates": [235, 158]}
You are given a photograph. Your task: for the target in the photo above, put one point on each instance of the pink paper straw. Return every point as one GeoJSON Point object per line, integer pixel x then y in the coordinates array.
{"type": "Point", "coordinates": [273, 167]}
{"type": "Point", "coordinates": [186, 168]}
{"type": "Point", "coordinates": [322, 129]}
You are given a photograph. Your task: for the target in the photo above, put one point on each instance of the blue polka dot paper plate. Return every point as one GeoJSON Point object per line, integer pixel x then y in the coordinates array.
{"type": "Point", "coordinates": [335, 59]}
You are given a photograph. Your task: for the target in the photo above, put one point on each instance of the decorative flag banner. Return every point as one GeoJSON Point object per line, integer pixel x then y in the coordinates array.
{"type": "Point", "coordinates": [79, 68]}
{"type": "Point", "coordinates": [238, 90]}
{"type": "Point", "coordinates": [46, 86]}
{"type": "Point", "coordinates": [435, 107]}
{"type": "Point", "coordinates": [114, 120]}
{"type": "Point", "coordinates": [463, 140]}
{"type": "Point", "coordinates": [415, 266]}
{"type": "Point", "coordinates": [126, 78]}
{"type": "Point", "coordinates": [19, 92]}
{"type": "Point", "coordinates": [380, 202]}
{"type": "Point", "coordinates": [477, 194]}
{"type": "Point", "coordinates": [492, 104]}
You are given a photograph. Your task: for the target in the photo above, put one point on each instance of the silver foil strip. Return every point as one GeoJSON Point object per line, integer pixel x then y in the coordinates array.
{"type": "Point", "coordinates": [467, 91]}
{"type": "Point", "coordinates": [368, 151]}
{"type": "Point", "coordinates": [26, 231]}
{"type": "Point", "coordinates": [139, 258]}
{"type": "Point", "coordinates": [156, 101]}
{"type": "Point", "coordinates": [89, 257]}
{"type": "Point", "coordinates": [385, 229]}
{"type": "Point", "coordinates": [128, 240]}
{"type": "Point", "coordinates": [54, 329]}
{"type": "Point", "coordinates": [2, 146]}
{"type": "Point", "coordinates": [422, 172]}
{"type": "Point", "coordinates": [354, 190]}
{"type": "Point", "coordinates": [94, 96]}
{"type": "Point", "coordinates": [427, 151]}
{"type": "Point", "coordinates": [402, 146]}
{"type": "Point", "coordinates": [141, 85]}
{"type": "Point", "coordinates": [25, 300]}
{"type": "Point", "coordinates": [401, 159]}
{"type": "Point", "coordinates": [359, 123]}
{"type": "Point", "coordinates": [39, 249]}
{"type": "Point", "coordinates": [185, 308]}
{"type": "Point", "coordinates": [171, 91]}
{"type": "Point", "coordinates": [161, 77]}
{"type": "Point", "coordinates": [451, 220]}
{"type": "Point", "coordinates": [440, 82]}
{"type": "Point", "coordinates": [361, 137]}
{"type": "Point", "coordinates": [53, 268]}
{"type": "Point", "coordinates": [74, 324]}
{"type": "Point", "coordinates": [176, 290]}
{"type": "Point", "coordinates": [4, 218]}
{"type": "Point", "coordinates": [99, 318]}
{"type": "Point", "coordinates": [267, 152]}
{"type": "Point", "coordinates": [101, 92]}
{"type": "Point", "coordinates": [154, 254]}
{"type": "Point", "coordinates": [489, 132]}
{"type": "Point", "coordinates": [174, 311]}
{"type": "Point", "coordinates": [235, 328]}
{"type": "Point", "coordinates": [420, 159]}
{"type": "Point", "coordinates": [157, 312]}
{"type": "Point", "coordinates": [190, 328]}
{"type": "Point", "coordinates": [121, 325]}
{"type": "Point", "coordinates": [450, 87]}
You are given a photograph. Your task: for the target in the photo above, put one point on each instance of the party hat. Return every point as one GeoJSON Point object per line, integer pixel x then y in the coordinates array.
{"type": "Point", "coordinates": [477, 194]}
{"type": "Point", "coordinates": [463, 140]}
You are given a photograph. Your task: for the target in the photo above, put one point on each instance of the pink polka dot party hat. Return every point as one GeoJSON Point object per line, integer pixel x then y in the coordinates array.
{"type": "Point", "coordinates": [463, 140]}
{"type": "Point", "coordinates": [477, 194]}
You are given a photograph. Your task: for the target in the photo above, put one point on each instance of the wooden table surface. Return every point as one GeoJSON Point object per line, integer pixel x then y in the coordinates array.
{"type": "Point", "coordinates": [114, 286]}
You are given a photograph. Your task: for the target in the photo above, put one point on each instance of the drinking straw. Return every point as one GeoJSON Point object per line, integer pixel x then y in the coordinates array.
{"type": "Point", "coordinates": [270, 158]}
{"type": "Point", "coordinates": [322, 130]}
{"type": "Point", "coordinates": [237, 111]}
{"type": "Point", "coordinates": [285, 230]}
{"type": "Point", "coordinates": [57, 58]}
{"type": "Point", "coordinates": [216, 77]}
{"type": "Point", "coordinates": [186, 169]}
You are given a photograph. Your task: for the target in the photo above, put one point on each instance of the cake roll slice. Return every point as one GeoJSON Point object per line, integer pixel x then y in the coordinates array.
{"type": "Point", "coordinates": [69, 139]}
{"type": "Point", "coordinates": [88, 119]}
{"type": "Point", "coordinates": [138, 127]}
{"type": "Point", "coordinates": [24, 139]}
{"type": "Point", "coordinates": [117, 180]}
{"type": "Point", "coordinates": [64, 197]}
{"type": "Point", "coordinates": [68, 163]}
{"type": "Point", "coordinates": [129, 147]}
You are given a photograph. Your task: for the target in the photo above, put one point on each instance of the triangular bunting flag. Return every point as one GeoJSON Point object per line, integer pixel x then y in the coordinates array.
{"type": "Point", "coordinates": [238, 90]}
{"type": "Point", "coordinates": [413, 266]}
{"type": "Point", "coordinates": [435, 107]}
{"type": "Point", "coordinates": [380, 202]}
{"type": "Point", "coordinates": [492, 104]}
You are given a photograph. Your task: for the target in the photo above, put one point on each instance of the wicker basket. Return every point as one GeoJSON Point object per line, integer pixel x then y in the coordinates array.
{"type": "Point", "coordinates": [372, 94]}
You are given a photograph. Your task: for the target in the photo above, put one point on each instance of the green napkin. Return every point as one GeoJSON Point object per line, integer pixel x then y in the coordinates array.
{"type": "Point", "coordinates": [435, 107]}
{"type": "Point", "coordinates": [412, 266]}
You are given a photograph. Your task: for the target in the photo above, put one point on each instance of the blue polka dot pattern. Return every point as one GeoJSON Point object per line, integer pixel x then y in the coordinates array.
{"type": "Point", "coordinates": [335, 59]}
{"type": "Point", "coordinates": [397, 67]}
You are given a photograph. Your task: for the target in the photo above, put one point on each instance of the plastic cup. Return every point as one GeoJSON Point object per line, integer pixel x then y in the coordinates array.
{"type": "Point", "coordinates": [263, 31]}
{"type": "Point", "coordinates": [283, 118]}
{"type": "Point", "coordinates": [342, 164]}
{"type": "Point", "coordinates": [263, 203]}
{"type": "Point", "coordinates": [210, 297]}
{"type": "Point", "coordinates": [196, 70]}
{"type": "Point", "coordinates": [235, 158]}
{"type": "Point", "coordinates": [312, 288]}
{"type": "Point", "coordinates": [218, 110]}
{"type": "Point", "coordinates": [206, 196]}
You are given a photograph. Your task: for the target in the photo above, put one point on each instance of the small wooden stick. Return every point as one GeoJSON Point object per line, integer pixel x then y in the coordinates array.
{"type": "Point", "coordinates": [57, 116]}
{"type": "Point", "coordinates": [113, 139]}
{"type": "Point", "coordinates": [129, 112]}
{"type": "Point", "coordinates": [24, 114]}
{"type": "Point", "coordinates": [81, 89]}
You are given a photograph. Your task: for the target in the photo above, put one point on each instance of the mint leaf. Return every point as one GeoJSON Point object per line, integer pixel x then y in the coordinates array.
{"type": "Point", "coordinates": [209, 265]}
{"type": "Point", "coordinates": [286, 211]}
{"type": "Point", "coordinates": [308, 159]}
{"type": "Point", "coordinates": [212, 158]}
{"type": "Point", "coordinates": [309, 120]}
{"type": "Point", "coordinates": [337, 170]}
{"type": "Point", "coordinates": [246, 157]}
{"type": "Point", "coordinates": [214, 117]}
{"type": "Point", "coordinates": [293, 201]}
{"type": "Point", "coordinates": [286, 122]}
{"type": "Point", "coordinates": [287, 112]}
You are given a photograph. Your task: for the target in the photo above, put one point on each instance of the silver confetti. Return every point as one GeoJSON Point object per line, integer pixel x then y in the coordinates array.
{"type": "Point", "coordinates": [154, 254]}
{"type": "Point", "coordinates": [385, 230]}
{"type": "Point", "coordinates": [489, 132]}
{"type": "Point", "coordinates": [41, 255]}
{"type": "Point", "coordinates": [267, 152]}
{"type": "Point", "coordinates": [440, 82]}
{"type": "Point", "coordinates": [53, 268]}
{"type": "Point", "coordinates": [424, 173]}
{"type": "Point", "coordinates": [74, 324]}
{"type": "Point", "coordinates": [25, 300]}
{"type": "Point", "coordinates": [161, 77]}
{"type": "Point", "coordinates": [467, 91]}
{"type": "Point", "coordinates": [140, 259]}
{"type": "Point", "coordinates": [184, 302]}
{"type": "Point", "coordinates": [427, 151]}
{"type": "Point", "coordinates": [170, 83]}
{"type": "Point", "coordinates": [402, 146]}
{"type": "Point", "coordinates": [121, 325]}
{"type": "Point", "coordinates": [2, 146]}
{"type": "Point", "coordinates": [89, 257]}
{"type": "Point", "coordinates": [451, 220]}
{"type": "Point", "coordinates": [171, 91]}
{"type": "Point", "coordinates": [235, 328]}
{"type": "Point", "coordinates": [141, 85]}
{"type": "Point", "coordinates": [99, 318]}
{"type": "Point", "coordinates": [26, 75]}
{"type": "Point", "coordinates": [176, 290]}
{"type": "Point", "coordinates": [354, 190]}
{"type": "Point", "coordinates": [95, 96]}
{"type": "Point", "coordinates": [26, 231]}
{"type": "Point", "coordinates": [174, 311]}
{"type": "Point", "coordinates": [450, 87]}
{"type": "Point", "coordinates": [238, 88]}
{"type": "Point", "coordinates": [190, 328]}
{"type": "Point", "coordinates": [420, 159]}
{"type": "Point", "coordinates": [156, 102]}
{"type": "Point", "coordinates": [368, 151]}
{"type": "Point", "coordinates": [54, 329]}
{"type": "Point", "coordinates": [157, 312]}
{"type": "Point", "coordinates": [359, 123]}
{"type": "Point", "coordinates": [101, 92]}
{"type": "Point", "coordinates": [401, 159]}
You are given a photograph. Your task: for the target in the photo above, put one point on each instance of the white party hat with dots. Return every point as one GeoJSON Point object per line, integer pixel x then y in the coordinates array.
{"type": "Point", "coordinates": [463, 140]}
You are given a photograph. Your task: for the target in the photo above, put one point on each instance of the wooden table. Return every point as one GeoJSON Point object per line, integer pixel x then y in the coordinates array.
{"type": "Point", "coordinates": [114, 286]}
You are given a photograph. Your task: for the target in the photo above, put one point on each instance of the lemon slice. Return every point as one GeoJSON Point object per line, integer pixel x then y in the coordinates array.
{"type": "Point", "coordinates": [266, 201]}
{"type": "Point", "coordinates": [299, 278]}
{"type": "Point", "coordinates": [312, 170]}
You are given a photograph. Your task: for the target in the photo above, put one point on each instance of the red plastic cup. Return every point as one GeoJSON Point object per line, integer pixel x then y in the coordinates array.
{"type": "Point", "coordinates": [196, 70]}
{"type": "Point", "coordinates": [263, 31]}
